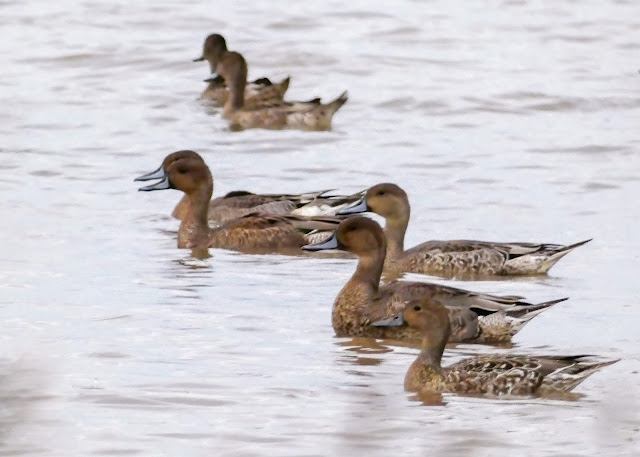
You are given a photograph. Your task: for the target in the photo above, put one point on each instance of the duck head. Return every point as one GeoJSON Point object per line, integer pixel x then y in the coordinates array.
{"type": "Point", "coordinates": [161, 172]}
{"type": "Point", "coordinates": [427, 316]}
{"type": "Point", "coordinates": [386, 199]}
{"type": "Point", "coordinates": [188, 174]}
{"type": "Point", "coordinates": [213, 49]}
{"type": "Point", "coordinates": [357, 234]}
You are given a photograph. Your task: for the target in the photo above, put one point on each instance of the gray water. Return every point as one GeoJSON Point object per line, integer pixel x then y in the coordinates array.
{"type": "Point", "coordinates": [503, 120]}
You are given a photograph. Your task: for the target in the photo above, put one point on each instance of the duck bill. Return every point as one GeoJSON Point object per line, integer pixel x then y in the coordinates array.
{"type": "Point", "coordinates": [160, 185]}
{"type": "Point", "coordinates": [395, 321]}
{"type": "Point", "coordinates": [158, 174]}
{"type": "Point", "coordinates": [331, 243]}
{"type": "Point", "coordinates": [358, 207]}
{"type": "Point", "coordinates": [199, 59]}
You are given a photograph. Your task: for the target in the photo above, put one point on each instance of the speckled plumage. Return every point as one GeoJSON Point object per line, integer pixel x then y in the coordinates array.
{"type": "Point", "coordinates": [492, 375]}
{"type": "Point", "coordinates": [475, 317]}
{"type": "Point", "coordinates": [452, 258]}
{"type": "Point", "coordinates": [312, 115]}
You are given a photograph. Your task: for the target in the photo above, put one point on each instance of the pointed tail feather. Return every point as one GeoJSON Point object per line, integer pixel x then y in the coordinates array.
{"type": "Point", "coordinates": [337, 103]}
{"type": "Point", "coordinates": [528, 312]}
{"type": "Point", "coordinates": [558, 254]}
{"type": "Point", "coordinates": [519, 316]}
{"type": "Point", "coordinates": [571, 247]}
{"type": "Point", "coordinates": [284, 85]}
{"type": "Point", "coordinates": [568, 378]}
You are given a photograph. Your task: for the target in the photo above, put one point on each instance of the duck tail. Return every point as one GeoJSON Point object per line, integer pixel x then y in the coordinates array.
{"type": "Point", "coordinates": [567, 378]}
{"type": "Point", "coordinates": [283, 86]}
{"type": "Point", "coordinates": [557, 254]}
{"type": "Point", "coordinates": [521, 315]}
{"type": "Point", "coordinates": [335, 105]}
{"type": "Point", "coordinates": [528, 311]}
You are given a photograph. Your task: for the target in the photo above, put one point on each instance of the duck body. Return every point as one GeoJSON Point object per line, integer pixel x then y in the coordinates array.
{"type": "Point", "coordinates": [252, 233]}
{"type": "Point", "coordinates": [475, 317]}
{"type": "Point", "coordinates": [299, 115]}
{"type": "Point", "coordinates": [510, 375]}
{"type": "Point", "coordinates": [258, 93]}
{"type": "Point", "coordinates": [487, 375]}
{"type": "Point", "coordinates": [310, 115]}
{"type": "Point", "coordinates": [466, 259]}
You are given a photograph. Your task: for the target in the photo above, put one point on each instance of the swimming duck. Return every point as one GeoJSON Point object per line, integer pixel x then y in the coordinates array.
{"type": "Point", "coordinates": [311, 115]}
{"type": "Point", "coordinates": [452, 258]}
{"type": "Point", "coordinates": [239, 203]}
{"type": "Point", "coordinates": [251, 233]}
{"type": "Point", "coordinates": [257, 93]}
{"type": "Point", "coordinates": [476, 317]}
{"type": "Point", "coordinates": [484, 375]}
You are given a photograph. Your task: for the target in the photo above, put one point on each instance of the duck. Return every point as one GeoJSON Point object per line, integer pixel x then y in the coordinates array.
{"type": "Point", "coordinates": [490, 375]}
{"type": "Point", "coordinates": [310, 115]}
{"type": "Point", "coordinates": [253, 233]}
{"type": "Point", "coordinates": [257, 93]}
{"type": "Point", "coordinates": [239, 203]}
{"type": "Point", "coordinates": [475, 317]}
{"type": "Point", "coordinates": [452, 258]}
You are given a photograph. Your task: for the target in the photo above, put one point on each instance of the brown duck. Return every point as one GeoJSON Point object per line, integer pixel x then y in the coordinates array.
{"type": "Point", "coordinates": [239, 203]}
{"type": "Point", "coordinates": [453, 258]}
{"type": "Point", "coordinates": [493, 375]}
{"type": "Point", "coordinates": [311, 115]}
{"type": "Point", "coordinates": [251, 233]}
{"type": "Point", "coordinates": [257, 93]}
{"type": "Point", "coordinates": [475, 317]}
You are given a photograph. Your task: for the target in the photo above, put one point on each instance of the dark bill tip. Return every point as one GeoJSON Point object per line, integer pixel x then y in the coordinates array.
{"type": "Point", "coordinates": [199, 59]}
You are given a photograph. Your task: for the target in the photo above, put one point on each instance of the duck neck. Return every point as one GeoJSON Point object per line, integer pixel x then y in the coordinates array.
{"type": "Point", "coordinates": [424, 372]}
{"type": "Point", "coordinates": [431, 354]}
{"type": "Point", "coordinates": [213, 64]}
{"type": "Point", "coordinates": [369, 269]}
{"type": "Point", "coordinates": [194, 228]}
{"type": "Point", "coordinates": [235, 101]}
{"type": "Point", "coordinates": [215, 59]}
{"type": "Point", "coordinates": [394, 230]}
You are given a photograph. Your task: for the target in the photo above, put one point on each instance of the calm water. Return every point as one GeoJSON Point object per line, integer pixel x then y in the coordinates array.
{"type": "Point", "coordinates": [509, 120]}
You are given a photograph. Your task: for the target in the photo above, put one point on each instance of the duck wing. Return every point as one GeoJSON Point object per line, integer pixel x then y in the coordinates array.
{"type": "Point", "coordinates": [449, 296]}
{"type": "Point", "coordinates": [257, 232]}
{"type": "Point", "coordinates": [453, 257]}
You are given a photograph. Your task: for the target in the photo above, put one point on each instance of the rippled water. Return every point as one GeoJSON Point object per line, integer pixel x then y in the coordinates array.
{"type": "Point", "coordinates": [506, 120]}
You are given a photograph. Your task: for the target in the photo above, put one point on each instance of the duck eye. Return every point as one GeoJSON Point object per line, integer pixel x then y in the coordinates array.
{"type": "Point", "coordinates": [416, 308]}
{"type": "Point", "coordinates": [381, 192]}
{"type": "Point", "coordinates": [182, 170]}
